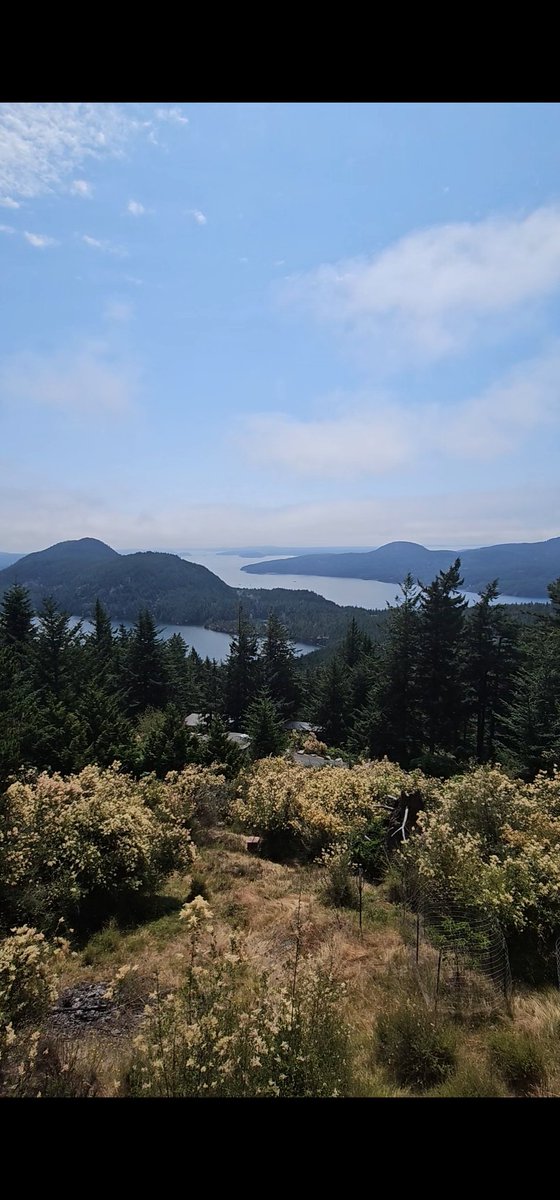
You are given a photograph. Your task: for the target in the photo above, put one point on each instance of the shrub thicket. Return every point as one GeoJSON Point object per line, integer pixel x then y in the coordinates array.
{"type": "Point", "coordinates": [82, 847]}
{"type": "Point", "coordinates": [312, 809]}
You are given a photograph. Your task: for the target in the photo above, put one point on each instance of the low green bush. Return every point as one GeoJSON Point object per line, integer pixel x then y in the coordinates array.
{"type": "Point", "coordinates": [416, 1050]}
{"type": "Point", "coordinates": [471, 1080]}
{"type": "Point", "coordinates": [340, 888]}
{"type": "Point", "coordinates": [519, 1059]}
{"type": "Point", "coordinates": [369, 850]}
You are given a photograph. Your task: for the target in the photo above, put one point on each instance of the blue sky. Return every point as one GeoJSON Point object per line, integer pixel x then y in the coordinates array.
{"type": "Point", "coordinates": [315, 324]}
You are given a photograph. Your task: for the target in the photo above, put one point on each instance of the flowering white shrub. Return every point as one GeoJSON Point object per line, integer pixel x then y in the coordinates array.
{"type": "Point", "coordinates": [317, 808]}
{"type": "Point", "coordinates": [197, 794]}
{"type": "Point", "coordinates": [494, 843]}
{"type": "Point", "coordinates": [28, 976]}
{"type": "Point", "coordinates": [78, 846]}
{"type": "Point", "coordinates": [226, 1033]}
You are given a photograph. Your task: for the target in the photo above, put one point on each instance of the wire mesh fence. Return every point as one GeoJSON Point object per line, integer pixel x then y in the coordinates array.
{"type": "Point", "coordinates": [458, 951]}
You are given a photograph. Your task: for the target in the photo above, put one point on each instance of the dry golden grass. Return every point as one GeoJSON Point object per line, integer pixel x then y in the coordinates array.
{"type": "Point", "coordinates": [270, 907]}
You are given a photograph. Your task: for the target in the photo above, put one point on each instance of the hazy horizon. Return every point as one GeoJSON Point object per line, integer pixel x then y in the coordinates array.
{"type": "Point", "coordinates": [270, 553]}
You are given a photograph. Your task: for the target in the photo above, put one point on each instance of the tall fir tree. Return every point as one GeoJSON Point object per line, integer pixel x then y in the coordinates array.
{"type": "Point", "coordinates": [353, 645]}
{"type": "Point", "coordinates": [145, 666]}
{"type": "Point", "coordinates": [212, 687]}
{"type": "Point", "coordinates": [265, 727]}
{"type": "Point", "coordinates": [490, 664]}
{"type": "Point", "coordinates": [278, 668]}
{"type": "Point", "coordinates": [388, 719]}
{"type": "Point", "coordinates": [102, 631]}
{"type": "Point", "coordinates": [18, 698]}
{"type": "Point", "coordinates": [183, 689]}
{"type": "Point", "coordinates": [242, 671]}
{"type": "Point", "coordinates": [440, 660]}
{"type": "Point", "coordinates": [334, 703]}
{"type": "Point", "coordinates": [57, 652]}
{"type": "Point", "coordinates": [531, 730]}
{"type": "Point", "coordinates": [168, 745]}
{"type": "Point", "coordinates": [16, 618]}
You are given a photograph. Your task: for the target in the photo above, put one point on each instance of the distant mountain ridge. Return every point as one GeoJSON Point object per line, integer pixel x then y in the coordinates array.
{"type": "Point", "coordinates": [522, 568]}
{"type": "Point", "coordinates": [76, 573]}
{"type": "Point", "coordinates": [6, 559]}
{"type": "Point", "coordinates": [177, 592]}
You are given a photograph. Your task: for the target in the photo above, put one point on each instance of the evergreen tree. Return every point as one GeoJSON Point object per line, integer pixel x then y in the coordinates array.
{"type": "Point", "coordinates": [145, 669]}
{"type": "Point", "coordinates": [16, 618]}
{"type": "Point", "coordinates": [440, 660]}
{"type": "Point", "coordinates": [398, 698]}
{"type": "Point", "coordinates": [183, 689]}
{"type": "Point", "coordinates": [102, 631]}
{"type": "Point", "coordinates": [18, 700]}
{"type": "Point", "coordinates": [265, 728]}
{"type": "Point", "coordinates": [367, 737]}
{"type": "Point", "coordinates": [212, 683]}
{"type": "Point", "coordinates": [60, 737]}
{"type": "Point", "coordinates": [57, 652]}
{"type": "Point", "coordinates": [531, 730]}
{"type": "Point", "coordinates": [278, 668]}
{"type": "Point", "coordinates": [242, 671]}
{"type": "Point", "coordinates": [333, 706]}
{"type": "Point", "coordinates": [107, 734]}
{"type": "Point", "coordinates": [362, 679]}
{"type": "Point", "coordinates": [355, 644]}
{"type": "Point", "coordinates": [217, 749]}
{"type": "Point", "coordinates": [19, 715]}
{"type": "Point", "coordinates": [491, 660]}
{"type": "Point", "coordinates": [168, 745]}
{"type": "Point", "coordinates": [387, 720]}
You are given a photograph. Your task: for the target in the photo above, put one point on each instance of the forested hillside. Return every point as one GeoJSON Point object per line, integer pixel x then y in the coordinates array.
{"type": "Point", "coordinates": [78, 573]}
{"type": "Point", "coordinates": [522, 569]}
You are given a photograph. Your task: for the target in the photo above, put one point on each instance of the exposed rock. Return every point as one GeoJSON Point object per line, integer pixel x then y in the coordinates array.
{"type": "Point", "coordinates": [90, 1006]}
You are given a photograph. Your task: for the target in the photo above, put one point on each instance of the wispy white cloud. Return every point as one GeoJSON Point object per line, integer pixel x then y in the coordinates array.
{"type": "Point", "coordinates": [175, 115]}
{"type": "Point", "coordinates": [374, 435]}
{"type": "Point", "coordinates": [104, 245]}
{"type": "Point", "coordinates": [374, 442]}
{"type": "Point", "coordinates": [7, 229]}
{"type": "Point", "coordinates": [42, 144]}
{"type": "Point", "coordinates": [7, 202]}
{"type": "Point", "coordinates": [498, 421]}
{"type": "Point", "coordinates": [39, 240]}
{"type": "Point", "coordinates": [84, 381]}
{"type": "Point", "coordinates": [81, 187]}
{"type": "Point", "coordinates": [135, 208]}
{"type": "Point", "coordinates": [197, 216]}
{"type": "Point", "coordinates": [426, 295]}
{"type": "Point", "coordinates": [119, 310]}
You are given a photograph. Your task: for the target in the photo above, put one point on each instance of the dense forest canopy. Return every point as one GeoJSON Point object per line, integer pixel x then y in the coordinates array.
{"type": "Point", "coordinates": [437, 686]}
